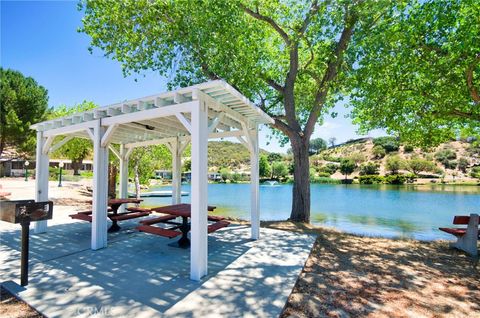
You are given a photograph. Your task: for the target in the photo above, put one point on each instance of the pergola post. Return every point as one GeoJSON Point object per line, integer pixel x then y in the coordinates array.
{"type": "Point", "coordinates": [100, 182]}
{"type": "Point", "coordinates": [176, 171]}
{"type": "Point", "coordinates": [254, 184]}
{"type": "Point", "coordinates": [123, 172]}
{"type": "Point", "coordinates": [41, 178]}
{"type": "Point", "coordinates": [199, 183]}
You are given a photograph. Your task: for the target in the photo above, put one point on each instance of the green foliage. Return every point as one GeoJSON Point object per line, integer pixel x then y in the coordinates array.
{"type": "Point", "coordinates": [418, 71]}
{"type": "Point", "coordinates": [76, 149]}
{"type": "Point", "coordinates": [369, 168]}
{"type": "Point", "coordinates": [388, 143]}
{"type": "Point", "coordinates": [446, 157]}
{"type": "Point", "coordinates": [398, 179]}
{"type": "Point", "coordinates": [475, 173]}
{"type": "Point", "coordinates": [279, 169]}
{"type": "Point", "coordinates": [325, 180]}
{"type": "Point", "coordinates": [417, 165]}
{"type": "Point", "coordinates": [357, 157]}
{"type": "Point", "coordinates": [347, 166]}
{"type": "Point", "coordinates": [317, 145]}
{"type": "Point", "coordinates": [145, 160]}
{"type": "Point", "coordinates": [370, 179]}
{"type": "Point", "coordinates": [378, 152]}
{"type": "Point", "coordinates": [463, 164]}
{"type": "Point", "coordinates": [22, 103]}
{"type": "Point", "coordinates": [227, 154]}
{"type": "Point", "coordinates": [329, 168]}
{"type": "Point", "coordinates": [273, 156]}
{"type": "Point", "coordinates": [265, 170]}
{"type": "Point", "coordinates": [408, 148]}
{"type": "Point", "coordinates": [394, 164]}
{"type": "Point", "coordinates": [226, 174]}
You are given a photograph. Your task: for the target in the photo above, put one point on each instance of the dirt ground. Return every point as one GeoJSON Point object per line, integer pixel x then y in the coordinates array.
{"type": "Point", "coordinates": [354, 276]}
{"type": "Point", "coordinates": [11, 307]}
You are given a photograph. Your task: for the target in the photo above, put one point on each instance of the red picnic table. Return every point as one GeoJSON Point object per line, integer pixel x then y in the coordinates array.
{"type": "Point", "coordinates": [114, 205]}
{"type": "Point", "coordinates": [172, 212]}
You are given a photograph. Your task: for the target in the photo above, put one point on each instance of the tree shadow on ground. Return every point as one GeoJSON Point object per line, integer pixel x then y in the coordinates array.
{"type": "Point", "coordinates": [353, 276]}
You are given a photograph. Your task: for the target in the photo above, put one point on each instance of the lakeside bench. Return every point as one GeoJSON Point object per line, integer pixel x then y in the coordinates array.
{"type": "Point", "coordinates": [467, 238]}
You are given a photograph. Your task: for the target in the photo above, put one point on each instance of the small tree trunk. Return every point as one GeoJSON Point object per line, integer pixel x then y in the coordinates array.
{"type": "Point", "coordinates": [112, 181]}
{"type": "Point", "coordinates": [76, 165]}
{"type": "Point", "coordinates": [137, 181]}
{"type": "Point", "coordinates": [301, 182]}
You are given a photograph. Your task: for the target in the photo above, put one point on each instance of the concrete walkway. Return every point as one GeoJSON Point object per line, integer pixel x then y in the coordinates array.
{"type": "Point", "coordinates": [139, 275]}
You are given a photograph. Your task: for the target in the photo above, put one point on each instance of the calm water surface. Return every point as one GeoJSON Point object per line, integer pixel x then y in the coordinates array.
{"type": "Point", "coordinates": [383, 210]}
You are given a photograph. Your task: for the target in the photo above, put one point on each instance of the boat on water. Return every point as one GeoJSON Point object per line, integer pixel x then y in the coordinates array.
{"type": "Point", "coordinates": [165, 193]}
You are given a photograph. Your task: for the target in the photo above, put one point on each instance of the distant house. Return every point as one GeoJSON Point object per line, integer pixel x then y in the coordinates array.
{"type": "Point", "coordinates": [12, 165]}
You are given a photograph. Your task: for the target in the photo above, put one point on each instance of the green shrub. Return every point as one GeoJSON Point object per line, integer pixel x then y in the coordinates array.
{"type": "Point", "coordinates": [378, 152]}
{"type": "Point", "coordinates": [329, 168]}
{"type": "Point", "coordinates": [445, 155]}
{"type": "Point", "coordinates": [408, 148]}
{"type": "Point", "coordinates": [388, 143]}
{"type": "Point", "coordinates": [324, 174]}
{"type": "Point", "coordinates": [369, 168]}
{"type": "Point", "coordinates": [326, 180]}
{"type": "Point", "coordinates": [370, 179]}
{"type": "Point", "coordinates": [463, 164]}
{"type": "Point", "coordinates": [347, 166]}
{"type": "Point", "coordinates": [395, 179]}
{"type": "Point", "coordinates": [475, 173]}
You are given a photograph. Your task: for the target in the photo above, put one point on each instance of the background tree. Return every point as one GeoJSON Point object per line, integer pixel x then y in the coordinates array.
{"type": "Point", "coordinates": [144, 161]}
{"type": "Point", "coordinates": [424, 85]}
{"type": "Point", "coordinates": [417, 165]}
{"type": "Point", "coordinates": [347, 167]}
{"type": "Point", "coordinates": [331, 141]}
{"type": "Point", "coordinates": [394, 164]}
{"type": "Point", "coordinates": [22, 103]}
{"type": "Point", "coordinates": [264, 167]}
{"type": "Point", "coordinates": [76, 149]}
{"type": "Point", "coordinates": [463, 164]}
{"type": "Point", "coordinates": [317, 145]}
{"type": "Point", "coordinates": [378, 152]}
{"type": "Point", "coordinates": [369, 168]}
{"type": "Point", "coordinates": [279, 170]}
{"type": "Point", "coordinates": [289, 57]}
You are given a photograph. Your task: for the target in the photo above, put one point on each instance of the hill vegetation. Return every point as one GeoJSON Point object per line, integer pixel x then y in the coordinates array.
{"type": "Point", "coordinates": [366, 160]}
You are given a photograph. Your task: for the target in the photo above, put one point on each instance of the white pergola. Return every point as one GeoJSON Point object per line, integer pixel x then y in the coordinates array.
{"type": "Point", "coordinates": [188, 115]}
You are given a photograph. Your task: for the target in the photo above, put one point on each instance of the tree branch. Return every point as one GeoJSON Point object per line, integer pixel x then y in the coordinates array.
{"type": "Point", "coordinates": [273, 84]}
{"type": "Point", "coordinates": [256, 14]}
{"type": "Point", "coordinates": [471, 86]}
{"type": "Point", "coordinates": [313, 10]}
{"type": "Point", "coordinates": [331, 71]}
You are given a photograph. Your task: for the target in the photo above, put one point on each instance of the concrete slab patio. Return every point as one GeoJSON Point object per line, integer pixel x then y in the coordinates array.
{"type": "Point", "coordinates": [139, 275]}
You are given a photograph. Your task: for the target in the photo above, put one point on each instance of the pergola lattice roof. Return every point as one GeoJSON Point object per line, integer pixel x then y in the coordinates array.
{"type": "Point", "coordinates": [228, 110]}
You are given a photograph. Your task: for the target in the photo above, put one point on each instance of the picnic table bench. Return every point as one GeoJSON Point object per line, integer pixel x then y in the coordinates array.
{"type": "Point", "coordinates": [172, 212]}
{"type": "Point", "coordinates": [467, 238]}
{"type": "Point", "coordinates": [113, 215]}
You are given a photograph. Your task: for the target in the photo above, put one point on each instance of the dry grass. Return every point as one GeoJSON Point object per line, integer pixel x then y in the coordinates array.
{"type": "Point", "coordinates": [354, 276]}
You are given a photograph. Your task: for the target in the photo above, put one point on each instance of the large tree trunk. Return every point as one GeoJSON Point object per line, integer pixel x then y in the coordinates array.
{"type": "Point", "coordinates": [301, 182]}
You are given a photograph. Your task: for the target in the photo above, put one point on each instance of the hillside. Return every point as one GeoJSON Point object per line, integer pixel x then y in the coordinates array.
{"type": "Point", "coordinates": [228, 154]}
{"type": "Point", "coordinates": [452, 161]}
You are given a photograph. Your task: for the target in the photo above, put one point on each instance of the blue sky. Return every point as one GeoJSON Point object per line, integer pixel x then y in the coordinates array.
{"type": "Point", "coordinates": [40, 39]}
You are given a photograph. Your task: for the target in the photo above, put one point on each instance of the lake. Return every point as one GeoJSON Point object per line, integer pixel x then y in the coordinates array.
{"type": "Point", "coordinates": [379, 210]}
